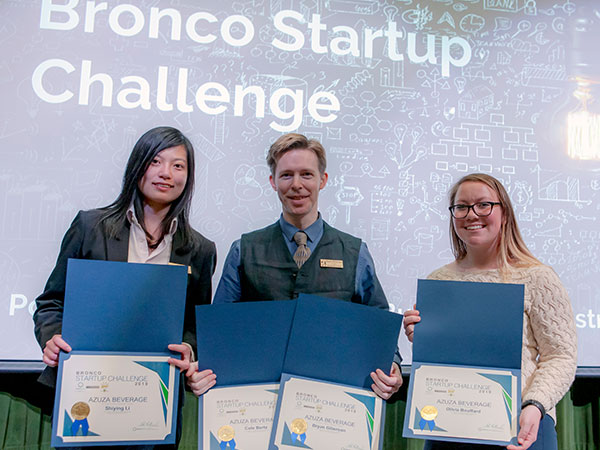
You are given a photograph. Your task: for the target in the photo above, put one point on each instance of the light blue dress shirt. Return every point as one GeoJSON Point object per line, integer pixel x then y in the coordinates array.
{"type": "Point", "coordinates": [230, 290]}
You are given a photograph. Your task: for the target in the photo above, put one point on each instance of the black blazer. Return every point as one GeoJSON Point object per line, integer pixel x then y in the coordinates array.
{"type": "Point", "coordinates": [86, 239]}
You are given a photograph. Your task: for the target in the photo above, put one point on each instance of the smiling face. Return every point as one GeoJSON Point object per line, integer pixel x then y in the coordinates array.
{"type": "Point", "coordinates": [478, 233]}
{"type": "Point", "coordinates": [297, 181]}
{"type": "Point", "coordinates": [165, 178]}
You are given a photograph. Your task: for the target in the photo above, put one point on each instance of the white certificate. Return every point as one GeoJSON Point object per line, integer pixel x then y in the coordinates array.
{"type": "Point", "coordinates": [114, 398]}
{"type": "Point", "coordinates": [320, 415]}
{"type": "Point", "coordinates": [237, 417]}
{"type": "Point", "coordinates": [469, 404]}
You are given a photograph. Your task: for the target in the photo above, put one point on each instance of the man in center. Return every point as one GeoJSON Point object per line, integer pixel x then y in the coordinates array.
{"type": "Point", "coordinates": [300, 253]}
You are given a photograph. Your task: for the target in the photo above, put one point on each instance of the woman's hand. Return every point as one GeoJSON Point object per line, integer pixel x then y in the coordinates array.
{"type": "Point", "coordinates": [200, 382]}
{"type": "Point", "coordinates": [186, 356]}
{"type": "Point", "coordinates": [52, 350]}
{"type": "Point", "coordinates": [529, 421]}
{"type": "Point", "coordinates": [411, 317]}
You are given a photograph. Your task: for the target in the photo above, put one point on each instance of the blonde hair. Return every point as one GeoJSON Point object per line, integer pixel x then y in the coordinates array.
{"type": "Point", "coordinates": [512, 250]}
{"type": "Point", "coordinates": [292, 141]}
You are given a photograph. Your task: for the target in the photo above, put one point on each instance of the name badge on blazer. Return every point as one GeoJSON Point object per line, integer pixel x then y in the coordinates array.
{"type": "Point", "coordinates": [332, 263]}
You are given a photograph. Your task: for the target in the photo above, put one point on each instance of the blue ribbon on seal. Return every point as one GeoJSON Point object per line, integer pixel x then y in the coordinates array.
{"type": "Point", "coordinates": [295, 437]}
{"type": "Point", "coordinates": [83, 423]}
{"type": "Point", "coordinates": [230, 443]}
{"type": "Point", "coordinates": [430, 423]}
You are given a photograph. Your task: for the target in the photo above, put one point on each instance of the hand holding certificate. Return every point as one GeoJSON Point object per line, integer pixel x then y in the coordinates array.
{"type": "Point", "coordinates": [325, 399]}
{"type": "Point", "coordinates": [116, 386]}
{"type": "Point", "coordinates": [465, 378]}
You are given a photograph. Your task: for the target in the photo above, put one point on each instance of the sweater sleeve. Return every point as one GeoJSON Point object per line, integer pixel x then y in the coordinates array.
{"type": "Point", "coordinates": [553, 326]}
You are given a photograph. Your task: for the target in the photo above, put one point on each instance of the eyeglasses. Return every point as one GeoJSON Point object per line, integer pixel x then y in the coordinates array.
{"type": "Point", "coordinates": [481, 209]}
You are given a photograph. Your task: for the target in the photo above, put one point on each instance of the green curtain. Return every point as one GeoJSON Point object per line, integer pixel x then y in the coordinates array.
{"type": "Point", "coordinates": [24, 426]}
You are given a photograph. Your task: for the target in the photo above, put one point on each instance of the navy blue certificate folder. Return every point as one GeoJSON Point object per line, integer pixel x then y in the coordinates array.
{"type": "Point", "coordinates": [341, 342]}
{"type": "Point", "coordinates": [118, 310]}
{"type": "Point", "coordinates": [470, 324]}
{"type": "Point", "coordinates": [470, 335]}
{"type": "Point", "coordinates": [123, 307]}
{"type": "Point", "coordinates": [244, 343]}
{"type": "Point", "coordinates": [336, 345]}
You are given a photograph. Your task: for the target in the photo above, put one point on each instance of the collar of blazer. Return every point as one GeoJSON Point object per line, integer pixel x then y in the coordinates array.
{"type": "Point", "coordinates": [118, 248]}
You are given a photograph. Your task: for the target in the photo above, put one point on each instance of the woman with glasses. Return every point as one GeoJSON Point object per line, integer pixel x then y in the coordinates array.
{"type": "Point", "coordinates": [488, 247]}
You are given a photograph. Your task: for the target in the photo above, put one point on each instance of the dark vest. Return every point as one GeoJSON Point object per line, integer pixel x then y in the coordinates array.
{"type": "Point", "coordinates": [268, 271]}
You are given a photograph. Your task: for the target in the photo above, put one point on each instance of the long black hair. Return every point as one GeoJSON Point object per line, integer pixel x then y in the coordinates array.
{"type": "Point", "coordinates": [145, 149]}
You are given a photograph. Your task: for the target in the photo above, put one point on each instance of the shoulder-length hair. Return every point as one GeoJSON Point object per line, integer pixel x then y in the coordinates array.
{"type": "Point", "coordinates": [145, 149]}
{"type": "Point", "coordinates": [512, 250]}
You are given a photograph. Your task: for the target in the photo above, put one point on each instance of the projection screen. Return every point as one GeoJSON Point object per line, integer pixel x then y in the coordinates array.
{"type": "Point", "coordinates": [407, 96]}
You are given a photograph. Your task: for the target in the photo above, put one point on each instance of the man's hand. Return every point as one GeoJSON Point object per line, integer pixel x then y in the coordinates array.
{"type": "Point", "coordinates": [529, 421]}
{"type": "Point", "coordinates": [411, 317]}
{"type": "Point", "coordinates": [52, 349]}
{"type": "Point", "coordinates": [186, 356]}
{"type": "Point", "coordinates": [200, 382]}
{"type": "Point", "coordinates": [386, 385]}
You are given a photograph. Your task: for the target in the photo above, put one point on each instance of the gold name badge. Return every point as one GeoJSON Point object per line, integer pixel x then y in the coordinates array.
{"type": "Point", "coordinates": [332, 263]}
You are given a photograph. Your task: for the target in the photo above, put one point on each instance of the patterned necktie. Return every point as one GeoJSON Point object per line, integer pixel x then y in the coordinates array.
{"type": "Point", "coordinates": [303, 252]}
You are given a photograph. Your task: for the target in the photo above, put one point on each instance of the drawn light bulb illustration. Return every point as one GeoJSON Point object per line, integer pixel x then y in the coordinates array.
{"type": "Point", "coordinates": [460, 82]}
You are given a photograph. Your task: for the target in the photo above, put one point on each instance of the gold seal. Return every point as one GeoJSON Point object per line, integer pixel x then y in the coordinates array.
{"type": "Point", "coordinates": [226, 433]}
{"type": "Point", "coordinates": [299, 426]}
{"type": "Point", "coordinates": [429, 412]}
{"type": "Point", "coordinates": [80, 410]}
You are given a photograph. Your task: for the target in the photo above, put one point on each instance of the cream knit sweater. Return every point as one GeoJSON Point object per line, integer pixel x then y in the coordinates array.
{"type": "Point", "coordinates": [549, 356]}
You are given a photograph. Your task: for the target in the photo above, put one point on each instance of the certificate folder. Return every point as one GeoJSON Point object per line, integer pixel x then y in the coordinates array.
{"type": "Point", "coordinates": [325, 398]}
{"type": "Point", "coordinates": [472, 324]}
{"type": "Point", "coordinates": [341, 342]}
{"type": "Point", "coordinates": [123, 307]}
{"type": "Point", "coordinates": [244, 342]}
{"type": "Point", "coordinates": [116, 386]}
{"type": "Point", "coordinates": [466, 362]}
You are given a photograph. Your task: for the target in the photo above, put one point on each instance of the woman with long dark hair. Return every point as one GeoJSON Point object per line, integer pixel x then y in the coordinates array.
{"type": "Point", "coordinates": [147, 223]}
{"type": "Point", "coordinates": [488, 247]}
